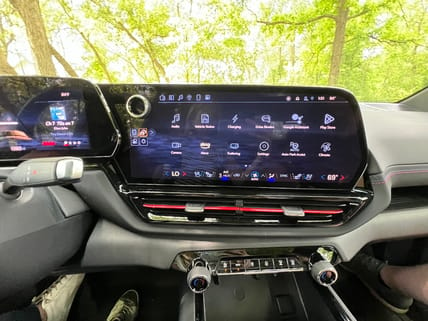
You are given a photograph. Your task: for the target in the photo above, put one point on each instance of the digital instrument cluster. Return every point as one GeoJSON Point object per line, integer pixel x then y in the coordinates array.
{"type": "Point", "coordinates": [43, 116]}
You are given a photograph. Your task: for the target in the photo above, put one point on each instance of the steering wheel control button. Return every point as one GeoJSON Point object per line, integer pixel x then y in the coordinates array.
{"type": "Point", "coordinates": [266, 264]}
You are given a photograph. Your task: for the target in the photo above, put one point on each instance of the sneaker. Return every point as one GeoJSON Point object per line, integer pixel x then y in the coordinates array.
{"type": "Point", "coordinates": [126, 308]}
{"type": "Point", "coordinates": [367, 269]}
{"type": "Point", "coordinates": [57, 299]}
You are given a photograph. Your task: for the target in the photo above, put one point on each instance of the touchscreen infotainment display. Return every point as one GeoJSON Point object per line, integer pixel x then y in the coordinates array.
{"type": "Point", "coordinates": [259, 136]}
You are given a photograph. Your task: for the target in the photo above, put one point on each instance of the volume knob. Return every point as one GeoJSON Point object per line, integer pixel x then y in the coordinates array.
{"type": "Point", "coordinates": [138, 106]}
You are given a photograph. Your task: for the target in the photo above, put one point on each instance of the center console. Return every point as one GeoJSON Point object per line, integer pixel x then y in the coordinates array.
{"type": "Point", "coordinates": [215, 154]}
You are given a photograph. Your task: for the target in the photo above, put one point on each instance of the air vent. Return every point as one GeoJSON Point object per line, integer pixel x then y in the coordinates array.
{"type": "Point", "coordinates": [288, 212]}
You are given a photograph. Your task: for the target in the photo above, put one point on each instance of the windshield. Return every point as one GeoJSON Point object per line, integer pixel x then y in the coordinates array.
{"type": "Point", "coordinates": [377, 49]}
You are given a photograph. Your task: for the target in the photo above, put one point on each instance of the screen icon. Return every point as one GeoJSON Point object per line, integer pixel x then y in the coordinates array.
{"type": "Point", "coordinates": [271, 177]}
{"type": "Point", "coordinates": [266, 118]}
{"type": "Point", "coordinates": [58, 113]}
{"type": "Point", "coordinates": [264, 146]}
{"type": "Point", "coordinates": [205, 145]}
{"type": "Point", "coordinates": [176, 119]}
{"type": "Point", "coordinates": [326, 147]}
{"type": "Point", "coordinates": [205, 119]}
{"type": "Point", "coordinates": [143, 132]}
{"type": "Point", "coordinates": [307, 177]}
{"type": "Point", "coordinates": [176, 145]}
{"type": "Point", "coordinates": [209, 174]}
{"type": "Point", "coordinates": [234, 145]}
{"type": "Point", "coordinates": [255, 175]}
{"type": "Point", "coordinates": [297, 177]}
{"type": "Point", "coordinates": [207, 97]}
{"type": "Point", "coordinates": [175, 173]}
{"type": "Point", "coordinates": [328, 119]}
{"type": "Point", "coordinates": [199, 174]}
{"type": "Point", "coordinates": [144, 142]}
{"type": "Point", "coordinates": [294, 147]}
{"type": "Point", "coordinates": [296, 118]}
{"type": "Point", "coordinates": [235, 118]}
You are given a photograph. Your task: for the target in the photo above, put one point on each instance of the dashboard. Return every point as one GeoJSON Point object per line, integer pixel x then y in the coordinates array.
{"type": "Point", "coordinates": [176, 169]}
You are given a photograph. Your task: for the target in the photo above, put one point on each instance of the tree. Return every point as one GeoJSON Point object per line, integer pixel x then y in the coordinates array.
{"type": "Point", "coordinates": [30, 12]}
{"type": "Point", "coordinates": [138, 31]}
{"type": "Point", "coordinates": [6, 39]}
{"type": "Point", "coordinates": [340, 18]}
{"type": "Point", "coordinates": [217, 51]}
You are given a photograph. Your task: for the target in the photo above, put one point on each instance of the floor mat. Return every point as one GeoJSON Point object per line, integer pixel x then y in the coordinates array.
{"type": "Point", "coordinates": [159, 293]}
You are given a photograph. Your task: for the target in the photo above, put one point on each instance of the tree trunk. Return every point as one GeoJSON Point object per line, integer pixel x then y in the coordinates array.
{"type": "Point", "coordinates": [30, 12]}
{"type": "Point", "coordinates": [339, 42]}
{"type": "Point", "coordinates": [5, 67]}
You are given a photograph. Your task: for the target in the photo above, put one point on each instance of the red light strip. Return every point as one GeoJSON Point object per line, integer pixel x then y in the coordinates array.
{"type": "Point", "coordinates": [48, 143]}
{"type": "Point", "coordinates": [242, 209]}
{"type": "Point", "coordinates": [221, 208]}
{"type": "Point", "coordinates": [262, 210]}
{"type": "Point", "coordinates": [325, 212]}
{"type": "Point", "coordinates": [165, 206]}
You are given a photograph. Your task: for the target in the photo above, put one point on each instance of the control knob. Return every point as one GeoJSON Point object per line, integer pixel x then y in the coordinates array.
{"type": "Point", "coordinates": [138, 106]}
{"type": "Point", "coordinates": [199, 276]}
{"type": "Point", "coordinates": [322, 271]}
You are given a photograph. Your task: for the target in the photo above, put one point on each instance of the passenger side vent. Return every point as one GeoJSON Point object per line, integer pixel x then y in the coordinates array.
{"type": "Point", "coordinates": [247, 212]}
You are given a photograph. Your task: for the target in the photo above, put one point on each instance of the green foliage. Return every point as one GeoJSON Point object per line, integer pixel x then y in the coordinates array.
{"type": "Point", "coordinates": [288, 42]}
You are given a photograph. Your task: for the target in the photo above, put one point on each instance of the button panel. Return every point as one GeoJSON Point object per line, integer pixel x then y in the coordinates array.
{"type": "Point", "coordinates": [263, 265]}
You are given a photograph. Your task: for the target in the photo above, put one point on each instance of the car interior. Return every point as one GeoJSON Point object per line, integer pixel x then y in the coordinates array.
{"type": "Point", "coordinates": [213, 202]}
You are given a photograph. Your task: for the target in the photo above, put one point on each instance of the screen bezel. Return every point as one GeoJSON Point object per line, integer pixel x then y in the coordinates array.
{"type": "Point", "coordinates": [104, 135]}
{"type": "Point", "coordinates": [123, 157]}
